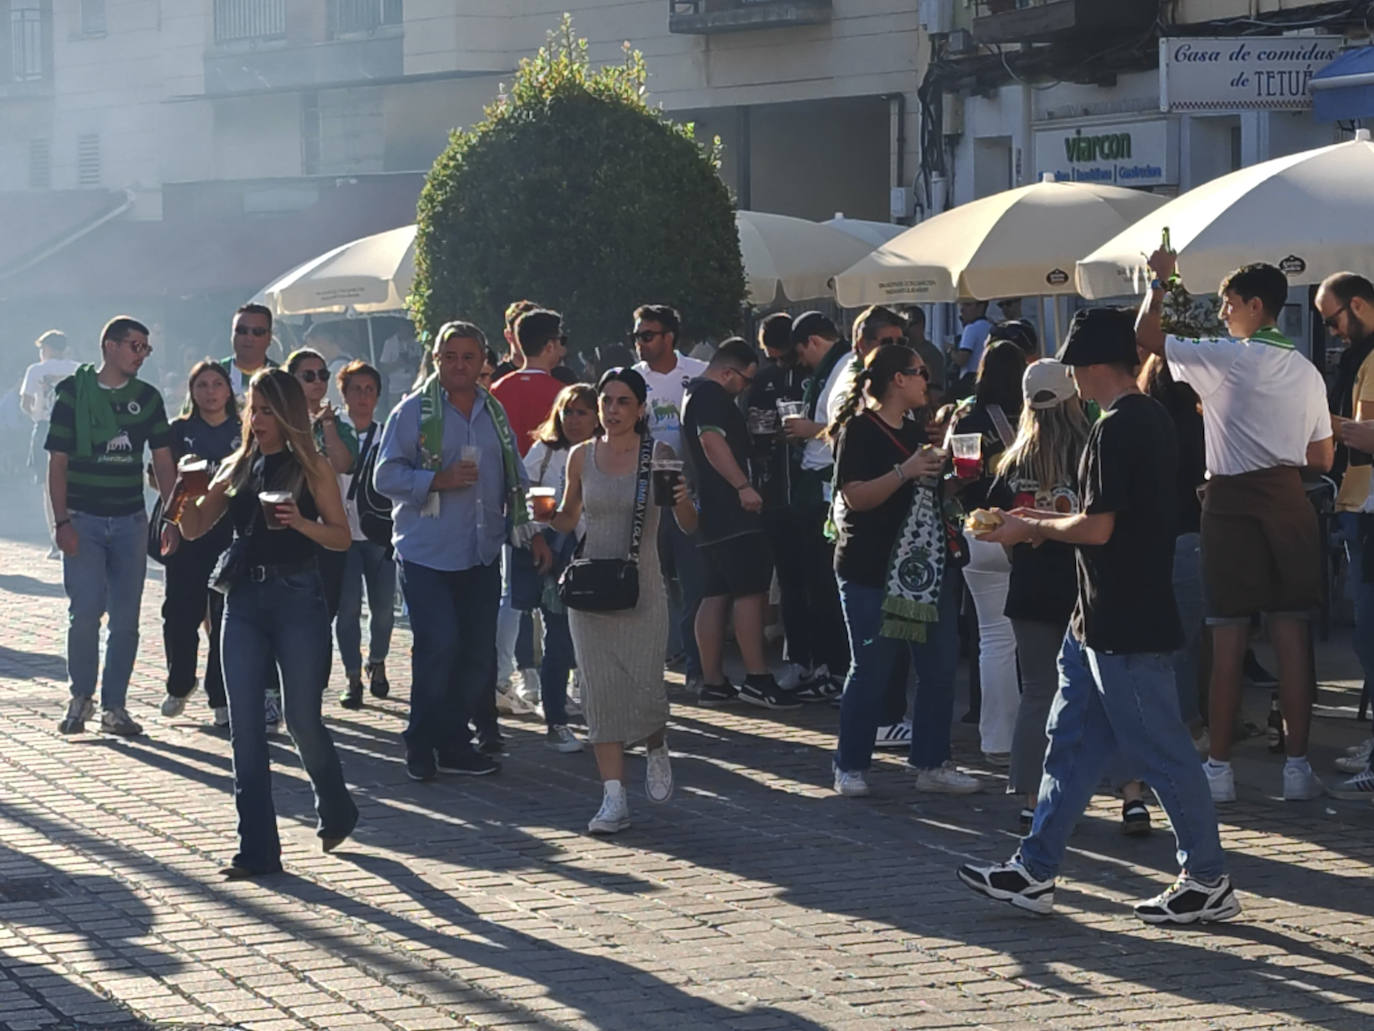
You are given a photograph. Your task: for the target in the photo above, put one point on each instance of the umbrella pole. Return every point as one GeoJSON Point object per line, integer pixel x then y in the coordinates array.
{"type": "Point", "coordinates": [371, 345]}
{"type": "Point", "coordinates": [1058, 326]}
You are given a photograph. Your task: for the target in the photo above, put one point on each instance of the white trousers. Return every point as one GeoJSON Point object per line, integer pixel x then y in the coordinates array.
{"type": "Point", "coordinates": [988, 576]}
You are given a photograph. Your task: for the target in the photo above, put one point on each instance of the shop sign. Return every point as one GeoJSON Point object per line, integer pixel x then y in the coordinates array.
{"type": "Point", "coordinates": [1241, 73]}
{"type": "Point", "coordinates": [1118, 154]}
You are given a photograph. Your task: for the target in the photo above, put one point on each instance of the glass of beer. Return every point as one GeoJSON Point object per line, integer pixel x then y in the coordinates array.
{"type": "Point", "coordinates": [471, 453]}
{"type": "Point", "coordinates": [543, 503]}
{"type": "Point", "coordinates": [666, 473]}
{"type": "Point", "coordinates": [270, 499]}
{"type": "Point", "coordinates": [193, 481]}
{"type": "Point", "coordinates": [968, 455]}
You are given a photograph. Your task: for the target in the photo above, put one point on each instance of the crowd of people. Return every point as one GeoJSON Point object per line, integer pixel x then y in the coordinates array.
{"type": "Point", "coordinates": [1097, 515]}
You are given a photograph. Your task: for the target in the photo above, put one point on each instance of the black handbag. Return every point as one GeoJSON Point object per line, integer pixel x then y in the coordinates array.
{"type": "Point", "coordinates": [610, 584]}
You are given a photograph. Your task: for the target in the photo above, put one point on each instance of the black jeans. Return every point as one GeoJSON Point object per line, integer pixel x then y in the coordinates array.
{"type": "Point", "coordinates": [187, 603]}
{"type": "Point", "coordinates": [821, 639]}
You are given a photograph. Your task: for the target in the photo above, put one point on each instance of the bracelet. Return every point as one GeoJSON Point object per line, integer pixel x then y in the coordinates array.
{"type": "Point", "coordinates": [897, 468]}
{"type": "Point", "coordinates": [61, 523]}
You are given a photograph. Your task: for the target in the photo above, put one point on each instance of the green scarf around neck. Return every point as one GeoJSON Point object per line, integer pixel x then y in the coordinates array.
{"type": "Point", "coordinates": [95, 417]}
{"type": "Point", "coordinates": [432, 443]}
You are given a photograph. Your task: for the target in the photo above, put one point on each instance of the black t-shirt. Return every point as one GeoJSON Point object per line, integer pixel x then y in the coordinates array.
{"type": "Point", "coordinates": [773, 460]}
{"type": "Point", "coordinates": [708, 408]}
{"type": "Point", "coordinates": [1125, 587]}
{"type": "Point", "coordinates": [272, 547]}
{"type": "Point", "coordinates": [866, 451]}
{"type": "Point", "coordinates": [1181, 402]}
{"type": "Point", "coordinates": [1044, 581]}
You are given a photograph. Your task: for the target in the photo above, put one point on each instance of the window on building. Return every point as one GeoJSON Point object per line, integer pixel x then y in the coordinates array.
{"type": "Point", "coordinates": [88, 159]}
{"type": "Point", "coordinates": [40, 165]}
{"type": "Point", "coordinates": [349, 17]}
{"type": "Point", "coordinates": [249, 20]}
{"type": "Point", "coordinates": [25, 40]}
{"type": "Point", "coordinates": [92, 17]}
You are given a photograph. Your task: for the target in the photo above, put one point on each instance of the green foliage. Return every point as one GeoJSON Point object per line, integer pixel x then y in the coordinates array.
{"type": "Point", "coordinates": [575, 193]}
{"type": "Point", "coordinates": [1186, 315]}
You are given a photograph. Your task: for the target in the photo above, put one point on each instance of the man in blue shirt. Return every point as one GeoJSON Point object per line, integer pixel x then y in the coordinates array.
{"type": "Point", "coordinates": [449, 465]}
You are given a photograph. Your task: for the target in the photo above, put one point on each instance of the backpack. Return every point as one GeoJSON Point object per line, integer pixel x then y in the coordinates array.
{"type": "Point", "coordinates": [374, 508]}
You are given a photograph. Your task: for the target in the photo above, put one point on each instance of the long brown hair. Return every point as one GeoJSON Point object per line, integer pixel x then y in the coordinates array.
{"type": "Point", "coordinates": [284, 396]}
{"type": "Point", "coordinates": [231, 407]}
{"type": "Point", "coordinates": [550, 431]}
{"type": "Point", "coordinates": [880, 368]}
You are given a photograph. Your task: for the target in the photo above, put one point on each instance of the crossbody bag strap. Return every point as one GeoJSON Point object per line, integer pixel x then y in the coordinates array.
{"type": "Point", "coordinates": [999, 421]}
{"type": "Point", "coordinates": [896, 441]}
{"type": "Point", "coordinates": [646, 450]}
{"type": "Point", "coordinates": [361, 461]}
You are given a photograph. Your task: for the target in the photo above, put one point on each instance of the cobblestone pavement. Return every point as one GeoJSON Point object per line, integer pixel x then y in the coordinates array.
{"type": "Point", "coordinates": [755, 900]}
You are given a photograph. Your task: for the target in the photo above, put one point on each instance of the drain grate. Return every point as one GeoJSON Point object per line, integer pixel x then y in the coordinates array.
{"type": "Point", "coordinates": [29, 889]}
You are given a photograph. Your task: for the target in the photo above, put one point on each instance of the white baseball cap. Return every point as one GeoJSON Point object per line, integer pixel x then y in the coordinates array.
{"type": "Point", "coordinates": [1047, 383]}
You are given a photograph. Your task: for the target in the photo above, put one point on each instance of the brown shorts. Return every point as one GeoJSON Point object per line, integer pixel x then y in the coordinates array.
{"type": "Point", "coordinates": [1261, 550]}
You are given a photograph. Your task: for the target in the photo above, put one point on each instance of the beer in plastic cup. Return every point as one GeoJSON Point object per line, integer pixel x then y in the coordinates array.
{"type": "Point", "coordinates": [471, 453]}
{"type": "Point", "coordinates": [193, 480]}
{"type": "Point", "coordinates": [543, 502]}
{"type": "Point", "coordinates": [270, 499]}
{"type": "Point", "coordinates": [968, 455]}
{"type": "Point", "coordinates": [666, 474]}
{"type": "Point", "coordinates": [791, 410]}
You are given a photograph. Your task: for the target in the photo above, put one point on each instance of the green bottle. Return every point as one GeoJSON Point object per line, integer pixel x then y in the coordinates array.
{"type": "Point", "coordinates": [1167, 246]}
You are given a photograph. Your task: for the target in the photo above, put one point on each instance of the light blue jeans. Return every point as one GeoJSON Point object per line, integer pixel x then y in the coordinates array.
{"type": "Point", "coordinates": [1120, 706]}
{"type": "Point", "coordinates": [104, 576]}
{"type": "Point", "coordinates": [366, 563]}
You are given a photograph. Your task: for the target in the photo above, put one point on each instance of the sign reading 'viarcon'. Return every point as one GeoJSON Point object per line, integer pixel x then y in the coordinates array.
{"type": "Point", "coordinates": [1242, 73]}
{"type": "Point", "coordinates": [1141, 153]}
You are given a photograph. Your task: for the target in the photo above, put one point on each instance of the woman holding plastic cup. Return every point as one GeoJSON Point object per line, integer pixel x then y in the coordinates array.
{"type": "Point", "coordinates": [207, 432]}
{"type": "Point", "coordinates": [275, 614]}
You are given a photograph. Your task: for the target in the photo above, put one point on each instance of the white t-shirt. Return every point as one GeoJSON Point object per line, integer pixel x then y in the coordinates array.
{"type": "Point", "coordinates": [1262, 404]}
{"type": "Point", "coordinates": [665, 398]}
{"type": "Point", "coordinates": [817, 453]}
{"type": "Point", "coordinates": [40, 382]}
{"type": "Point", "coordinates": [974, 340]}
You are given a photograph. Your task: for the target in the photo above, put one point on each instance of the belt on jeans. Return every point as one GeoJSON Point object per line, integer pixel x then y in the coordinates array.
{"type": "Point", "coordinates": [261, 574]}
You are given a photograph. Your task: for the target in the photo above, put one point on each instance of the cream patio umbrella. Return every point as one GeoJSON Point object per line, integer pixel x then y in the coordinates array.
{"type": "Point", "coordinates": [875, 234]}
{"type": "Point", "coordinates": [794, 255]}
{"type": "Point", "coordinates": [1018, 243]}
{"type": "Point", "coordinates": [366, 276]}
{"type": "Point", "coordinates": [1308, 213]}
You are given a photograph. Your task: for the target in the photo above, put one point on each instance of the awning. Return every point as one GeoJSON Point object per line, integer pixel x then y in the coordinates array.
{"type": "Point", "coordinates": [1343, 91]}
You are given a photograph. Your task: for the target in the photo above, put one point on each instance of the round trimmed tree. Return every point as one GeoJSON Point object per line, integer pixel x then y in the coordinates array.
{"type": "Point", "coordinates": [575, 193]}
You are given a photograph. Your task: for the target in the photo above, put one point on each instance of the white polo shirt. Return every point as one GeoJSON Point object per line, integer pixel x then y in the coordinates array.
{"type": "Point", "coordinates": [1262, 401]}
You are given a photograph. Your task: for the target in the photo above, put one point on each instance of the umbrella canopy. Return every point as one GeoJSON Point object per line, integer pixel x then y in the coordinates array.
{"type": "Point", "coordinates": [1018, 243]}
{"type": "Point", "coordinates": [1307, 213]}
{"type": "Point", "coordinates": [792, 254]}
{"type": "Point", "coordinates": [373, 274]}
{"type": "Point", "coordinates": [875, 234]}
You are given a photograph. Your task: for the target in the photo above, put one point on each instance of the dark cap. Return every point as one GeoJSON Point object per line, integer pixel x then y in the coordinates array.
{"type": "Point", "coordinates": [813, 323]}
{"type": "Point", "coordinates": [1100, 336]}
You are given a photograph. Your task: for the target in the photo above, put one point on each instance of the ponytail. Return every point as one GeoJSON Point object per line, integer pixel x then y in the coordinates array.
{"type": "Point", "coordinates": [851, 406]}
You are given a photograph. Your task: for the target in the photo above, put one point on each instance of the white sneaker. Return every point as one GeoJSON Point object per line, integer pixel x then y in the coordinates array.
{"type": "Point", "coordinates": [658, 775]}
{"type": "Point", "coordinates": [895, 737]}
{"type": "Point", "coordinates": [272, 711]}
{"type": "Point", "coordinates": [946, 779]}
{"type": "Point", "coordinates": [1356, 757]}
{"type": "Point", "coordinates": [613, 816]}
{"type": "Point", "coordinates": [1359, 786]}
{"type": "Point", "coordinates": [508, 699]}
{"type": "Point", "coordinates": [221, 715]}
{"type": "Point", "coordinates": [1364, 748]}
{"type": "Point", "coordinates": [561, 739]}
{"type": "Point", "coordinates": [173, 706]}
{"type": "Point", "coordinates": [792, 675]}
{"type": "Point", "coordinates": [1222, 783]}
{"type": "Point", "coordinates": [529, 690]}
{"type": "Point", "coordinates": [850, 783]}
{"type": "Point", "coordinates": [1300, 784]}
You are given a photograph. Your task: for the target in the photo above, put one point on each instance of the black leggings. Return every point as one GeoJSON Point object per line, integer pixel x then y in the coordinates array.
{"type": "Point", "coordinates": [189, 601]}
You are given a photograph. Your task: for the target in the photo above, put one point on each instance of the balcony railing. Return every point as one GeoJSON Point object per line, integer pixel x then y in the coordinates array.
{"type": "Point", "coordinates": [249, 20]}
{"type": "Point", "coordinates": [1047, 21]}
{"type": "Point", "coordinates": [352, 17]}
{"type": "Point", "coordinates": [701, 17]}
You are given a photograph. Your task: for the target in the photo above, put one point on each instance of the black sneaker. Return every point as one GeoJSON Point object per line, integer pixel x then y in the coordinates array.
{"type": "Point", "coordinates": [1135, 818]}
{"type": "Point", "coordinates": [717, 694]}
{"type": "Point", "coordinates": [1188, 901]}
{"type": "Point", "coordinates": [491, 744]}
{"type": "Point", "coordinates": [1010, 882]}
{"type": "Point", "coordinates": [420, 766]}
{"type": "Point", "coordinates": [765, 692]}
{"type": "Point", "coordinates": [352, 697]}
{"type": "Point", "coordinates": [818, 689]}
{"type": "Point", "coordinates": [468, 763]}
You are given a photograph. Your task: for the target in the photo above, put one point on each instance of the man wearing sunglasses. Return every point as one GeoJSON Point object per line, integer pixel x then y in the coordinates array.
{"type": "Point", "coordinates": [252, 336]}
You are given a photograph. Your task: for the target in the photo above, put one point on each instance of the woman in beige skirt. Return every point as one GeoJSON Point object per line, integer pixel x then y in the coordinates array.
{"type": "Point", "coordinates": [621, 653]}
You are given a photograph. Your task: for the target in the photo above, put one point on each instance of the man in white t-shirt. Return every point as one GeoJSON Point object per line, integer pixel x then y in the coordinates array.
{"type": "Point", "coordinates": [1265, 418]}
{"type": "Point", "coordinates": [973, 341]}
{"type": "Point", "coordinates": [666, 373]}
{"type": "Point", "coordinates": [36, 398]}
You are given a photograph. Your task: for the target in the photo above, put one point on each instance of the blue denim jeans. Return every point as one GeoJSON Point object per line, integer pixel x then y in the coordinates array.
{"type": "Point", "coordinates": [453, 621]}
{"type": "Point", "coordinates": [557, 663]}
{"type": "Point", "coordinates": [366, 563]}
{"type": "Point", "coordinates": [283, 622]}
{"type": "Point", "coordinates": [679, 560]}
{"type": "Point", "coordinates": [1120, 707]}
{"type": "Point", "coordinates": [105, 576]}
{"type": "Point", "coordinates": [870, 671]}
{"type": "Point", "coordinates": [1191, 613]}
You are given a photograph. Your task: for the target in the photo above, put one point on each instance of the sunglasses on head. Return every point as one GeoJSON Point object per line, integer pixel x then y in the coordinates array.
{"type": "Point", "coordinates": [257, 331]}
{"type": "Point", "coordinates": [311, 375]}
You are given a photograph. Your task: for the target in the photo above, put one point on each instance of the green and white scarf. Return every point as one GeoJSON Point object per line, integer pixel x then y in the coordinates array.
{"type": "Point", "coordinates": [432, 449]}
{"type": "Point", "coordinates": [916, 569]}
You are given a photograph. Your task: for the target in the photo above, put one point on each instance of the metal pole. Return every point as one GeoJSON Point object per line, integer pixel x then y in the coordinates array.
{"type": "Point", "coordinates": [371, 345]}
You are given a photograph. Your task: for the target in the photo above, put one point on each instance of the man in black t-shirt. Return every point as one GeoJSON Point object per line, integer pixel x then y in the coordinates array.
{"type": "Point", "coordinates": [737, 563]}
{"type": "Point", "coordinates": [1116, 693]}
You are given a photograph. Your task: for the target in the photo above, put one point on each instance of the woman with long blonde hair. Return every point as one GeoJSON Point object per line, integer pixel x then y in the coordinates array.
{"type": "Point", "coordinates": [282, 498]}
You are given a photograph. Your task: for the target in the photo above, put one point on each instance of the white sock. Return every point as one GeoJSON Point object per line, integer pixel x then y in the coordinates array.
{"type": "Point", "coordinates": [1218, 764]}
{"type": "Point", "coordinates": [1297, 762]}
{"type": "Point", "coordinates": [613, 789]}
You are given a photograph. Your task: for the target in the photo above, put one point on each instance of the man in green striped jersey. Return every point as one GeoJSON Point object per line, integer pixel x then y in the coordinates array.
{"type": "Point", "coordinates": [101, 421]}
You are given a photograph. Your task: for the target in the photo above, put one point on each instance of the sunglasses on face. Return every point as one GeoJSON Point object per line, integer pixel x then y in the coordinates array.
{"type": "Point", "coordinates": [142, 350]}
{"type": "Point", "coordinates": [243, 331]}
{"type": "Point", "coordinates": [645, 335]}
{"type": "Point", "coordinates": [311, 375]}
{"type": "Point", "coordinates": [921, 371]}
{"type": "Point", "coordinates": [900, 340]}
{"type": "Point", "coordinates": [1334, 320]}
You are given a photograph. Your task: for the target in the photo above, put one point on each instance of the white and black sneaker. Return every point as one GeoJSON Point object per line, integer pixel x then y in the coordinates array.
{"type": "Point", "coordinates": [711, 695]}
{"type": "Point", "coordinates": [894, 737]}
{"type": "Point", "coordinates": [764, 691]}
{"type": "Point", "coordinates": [1010, 882]}
{"type": "Point", "coordinates": [1189, 901]}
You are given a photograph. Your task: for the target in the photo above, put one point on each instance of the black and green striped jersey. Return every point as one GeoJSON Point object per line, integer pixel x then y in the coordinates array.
{"type": "Point", "coordinates": [109, 482]}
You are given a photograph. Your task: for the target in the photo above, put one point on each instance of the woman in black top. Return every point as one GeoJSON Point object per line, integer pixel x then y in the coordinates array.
{"type": "Point", "coordinates": [209, 430]}
{"type": "Point", "coordinates": [275, 612]}
{"type": "Point", "coordinates": [896, 573]}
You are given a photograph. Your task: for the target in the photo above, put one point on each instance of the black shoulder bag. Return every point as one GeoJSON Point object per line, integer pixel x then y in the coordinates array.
{"type": "Point", "coordinates": [374, 508]}
{"type": "Point", "coordinates": [610, 584]}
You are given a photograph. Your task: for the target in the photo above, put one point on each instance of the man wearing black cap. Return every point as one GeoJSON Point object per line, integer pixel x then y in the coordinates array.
{"type": "Point", "coordinates": [1116, 690]}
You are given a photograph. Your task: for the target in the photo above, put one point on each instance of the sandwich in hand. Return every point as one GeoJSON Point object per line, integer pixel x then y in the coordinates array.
{"type": "Point", "coordinates": [980, 521]}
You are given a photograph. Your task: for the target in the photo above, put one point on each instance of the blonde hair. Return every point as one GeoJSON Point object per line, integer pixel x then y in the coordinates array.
{"type": "Point", "coordinates": [284, 396]}
{"type": "Point", "coordinates": [1049, 443]}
